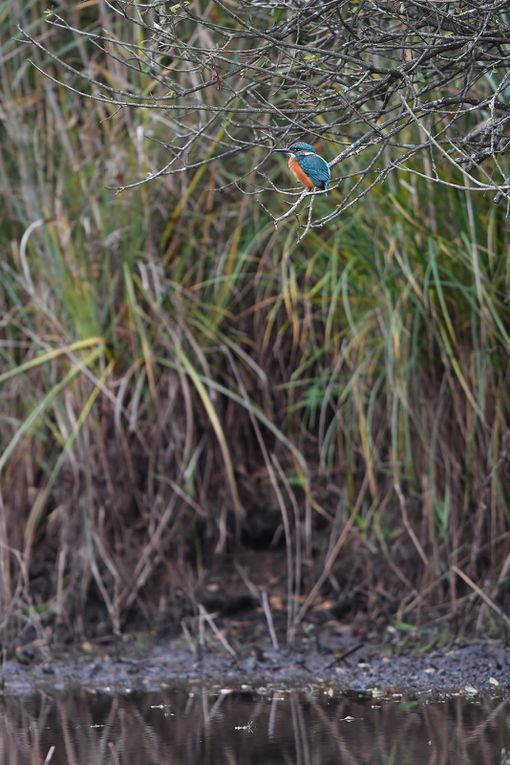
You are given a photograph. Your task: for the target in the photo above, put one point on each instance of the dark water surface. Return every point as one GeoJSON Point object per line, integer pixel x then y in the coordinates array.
{"type": "Point", "coordinates": [187, 726]}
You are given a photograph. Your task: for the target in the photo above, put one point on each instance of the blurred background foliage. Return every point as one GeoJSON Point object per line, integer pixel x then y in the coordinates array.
{"type": "Point", "coordinates": [182, 382]}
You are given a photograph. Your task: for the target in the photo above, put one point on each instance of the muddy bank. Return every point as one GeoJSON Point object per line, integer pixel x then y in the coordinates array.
{"type": "Point", "coordinates": [349, 665]}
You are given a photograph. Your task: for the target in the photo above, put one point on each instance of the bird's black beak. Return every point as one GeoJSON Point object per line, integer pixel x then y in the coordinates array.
{"type": "Point", "coordinates": [284, 151]}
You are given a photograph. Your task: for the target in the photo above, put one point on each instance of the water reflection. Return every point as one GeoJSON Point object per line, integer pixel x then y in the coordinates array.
{"type": "Point", "coordinates": [191, 726]}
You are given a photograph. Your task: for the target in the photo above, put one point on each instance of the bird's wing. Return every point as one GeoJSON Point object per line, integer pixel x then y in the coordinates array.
{"type": "Point", "coordinates": [316, 167]}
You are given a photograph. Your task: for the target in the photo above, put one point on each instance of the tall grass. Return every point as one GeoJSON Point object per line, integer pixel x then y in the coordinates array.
{"type": "Point", "coordinates": [179, 379]}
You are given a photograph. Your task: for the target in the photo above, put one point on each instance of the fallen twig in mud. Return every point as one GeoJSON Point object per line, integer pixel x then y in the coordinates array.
{"type": "Point", "coordinates": [343, 656]}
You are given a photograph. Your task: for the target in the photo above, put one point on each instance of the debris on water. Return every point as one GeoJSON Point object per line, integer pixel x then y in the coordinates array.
{"type": "Point", "coordinates": [248, 727]}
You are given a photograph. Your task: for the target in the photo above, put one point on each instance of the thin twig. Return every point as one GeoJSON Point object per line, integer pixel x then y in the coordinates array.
{"type": "Point", "coordinates": [497, 610]}
{"type": "Point", "coordinates": [210, 621]}
{"type": "Point", "coordinates": [269, 619]}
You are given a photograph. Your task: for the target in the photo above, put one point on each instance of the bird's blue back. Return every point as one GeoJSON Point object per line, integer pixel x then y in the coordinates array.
{"type": "Point", "coordinates": [316, 168]}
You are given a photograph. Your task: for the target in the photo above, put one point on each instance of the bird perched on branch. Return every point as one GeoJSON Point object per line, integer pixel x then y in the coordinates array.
{"type": "Point", "coordinates": [307, 166]}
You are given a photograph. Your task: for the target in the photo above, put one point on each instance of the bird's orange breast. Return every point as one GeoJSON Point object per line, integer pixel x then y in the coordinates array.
{"type": "Point", "coordinates": [299, 173]}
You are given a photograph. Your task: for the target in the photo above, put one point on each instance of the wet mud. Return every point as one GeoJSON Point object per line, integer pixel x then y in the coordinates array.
{"type": "Point", "coordinates": [348, 666]}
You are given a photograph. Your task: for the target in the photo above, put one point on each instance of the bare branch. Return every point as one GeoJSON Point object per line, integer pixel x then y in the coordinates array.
{"type": "Point", "coordinates": [377, 85]}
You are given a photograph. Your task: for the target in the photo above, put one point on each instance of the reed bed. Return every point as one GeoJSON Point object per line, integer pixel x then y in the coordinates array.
{"type": "Point", "coordinates": [180, 379]}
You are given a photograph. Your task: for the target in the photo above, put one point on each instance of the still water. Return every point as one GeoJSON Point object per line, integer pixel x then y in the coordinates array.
{"type": "Point", "coordinates": [191, 726]}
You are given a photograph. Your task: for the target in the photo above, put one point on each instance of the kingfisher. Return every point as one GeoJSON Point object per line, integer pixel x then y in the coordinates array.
{"type": "Point", "coordinates": [307, 166]}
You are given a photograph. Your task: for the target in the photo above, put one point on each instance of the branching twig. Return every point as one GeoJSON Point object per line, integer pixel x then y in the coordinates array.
{"type": "Point", "coordinates": [380, 80]}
